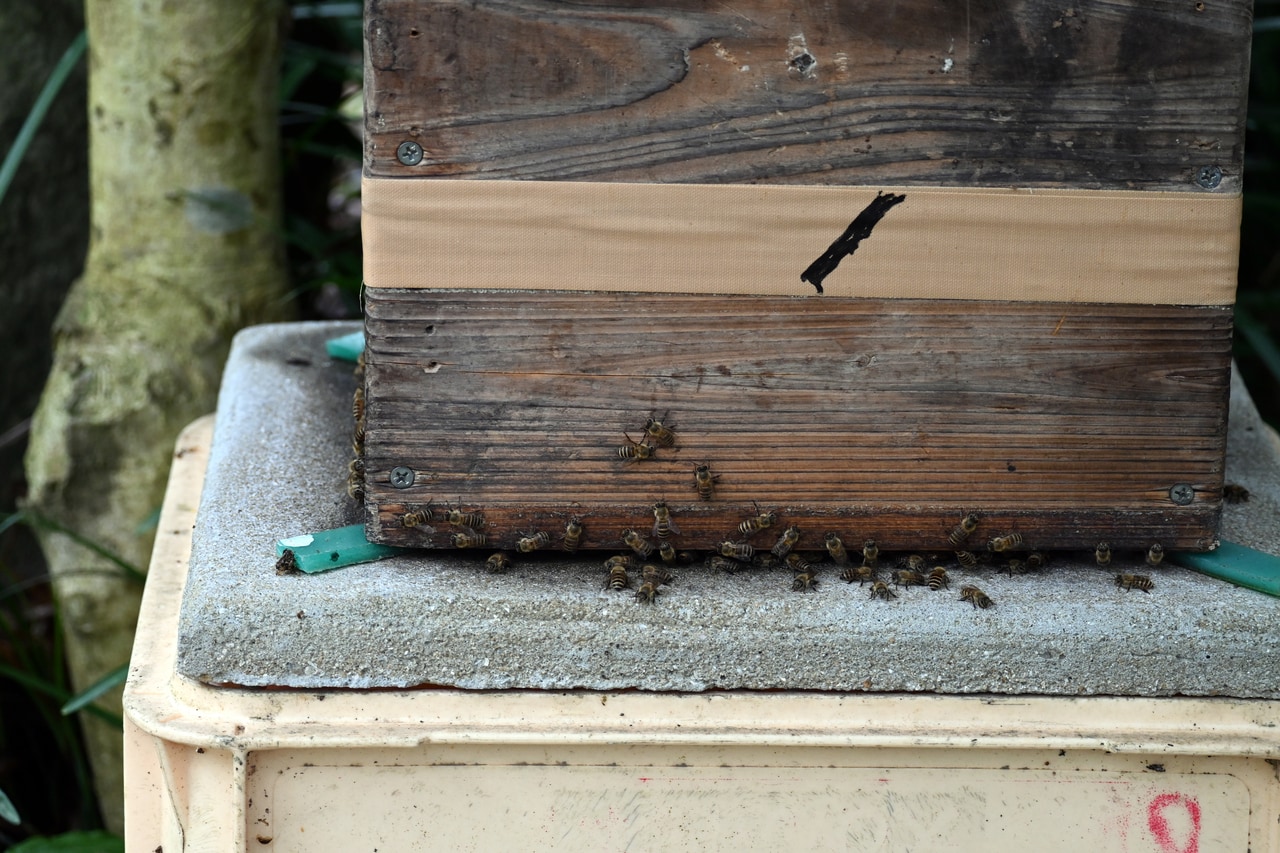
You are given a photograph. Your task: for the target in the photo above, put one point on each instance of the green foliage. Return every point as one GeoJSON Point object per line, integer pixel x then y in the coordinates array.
{"type": "Point", "coordinates": [97, 841]}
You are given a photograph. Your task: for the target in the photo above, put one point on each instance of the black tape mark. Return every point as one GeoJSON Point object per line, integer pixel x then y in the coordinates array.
{"type": "Point", "coordinates": [859, 229]}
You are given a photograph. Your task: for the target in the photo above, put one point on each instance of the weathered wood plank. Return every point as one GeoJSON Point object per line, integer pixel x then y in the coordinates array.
{"type": "Point", "coordinates": [1068, 422]}
{"type": "Point", "coordinates": [1100, 94]}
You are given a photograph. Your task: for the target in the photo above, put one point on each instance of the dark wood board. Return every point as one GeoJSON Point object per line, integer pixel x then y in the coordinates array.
{"type": "Point", "coordinates": [1068, 423]}
{"type": "Point", "coordinates": [1103, 94]}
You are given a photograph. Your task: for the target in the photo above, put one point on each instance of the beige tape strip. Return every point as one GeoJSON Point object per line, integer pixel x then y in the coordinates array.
{"type": "Point", "coordinates": [1019, 245]}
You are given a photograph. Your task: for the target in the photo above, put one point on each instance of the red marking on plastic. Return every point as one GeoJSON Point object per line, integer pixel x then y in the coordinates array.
{"type": "Point", "coordinates": [1160, 827]}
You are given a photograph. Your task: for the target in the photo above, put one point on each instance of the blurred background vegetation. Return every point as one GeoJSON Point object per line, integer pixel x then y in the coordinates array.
{"type": "Point", "coordinates": [42, 759]}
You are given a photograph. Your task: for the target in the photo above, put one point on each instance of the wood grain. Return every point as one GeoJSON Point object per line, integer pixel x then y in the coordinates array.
{"type": "Point", "coordinates": [1067, 422]}
{"type": "Point", "coordinates": [1095, 94]}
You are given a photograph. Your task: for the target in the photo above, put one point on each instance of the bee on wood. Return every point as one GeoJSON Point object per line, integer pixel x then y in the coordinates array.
{"type": "Point", "coordinates": [287, 564]}
{"type": "Point", "coordinates": [498, 562]}
{"type": "Point", "coordinates": [835, 547]}
{"type": "Point", "coordinates": [655, 574]}
{"type": "Point", "coordinates": [618, 578]}
{"type": "Point", "coordinates": [963, 530]}
{"type": "Point", "coordinates": [647, 592]}
{"type": "Point", "coordinates": [762, 521]}
{"type": "Point", "coordinates": [637, 543]}
{"type": "Point", "coordinates": [529, 544]}
{"type": "Point", "coordinates": [416, 518]}
{"type": "Point", "coordinates": [1155, 554]}
{"type": "Point", "coordinates": [572, 534]}
{"type": "Point", "coordinates": [785, 542]}
{"type": "Point", "coordinates": [725, 564]}
{"type": "Point", "coordinates": [667, 552]}
{"type": "Point", "coordinates": [804, 582]}
{"type": "Point", "coordinates": [663, 526]}
{"type": "Point", "coordinates": [663, 435]}
{"type": "Point", "coordinates": [1234, 493]}
{"type": "Point", "coordinates": [355, 479]}
{"type": "Point", "coordinates": [908, 577]}
{"type": "Point", "coordinates": [870, 552]}
{"type": "Point", "coordinates": [469, 520]}
{"type": "Point", "coordinates": [736, 550]}
{"type": "Point", "coordinates": [357, 438]}
{"type": "Point", "coordinates": [976, 597]}
{"type": "Point", "coordinates": [1036, 561]}
{"type": "Point", "coordinates": [1142, 582]}
{"type": "Point", "coordinates": [861, 574]}
{"type": "Point", "coordinates": [704, 481]}
{"type": "Point", "coordinates": [938, 579]}
{"type": "Point", "coordinates": [469, 540]}
{"type": "Point", "coordinates": [881, 590]}
{"type": "Point", "coordinates": [357, 405]}
{"type": "Point", "coordinates": [1007, 542]}
{"type": "Point", "coordinates": [1102, 554]}
{"type": "Point", "coordinates": [634, 451]}
{"type": "Point", "coordinates": [966, 559]}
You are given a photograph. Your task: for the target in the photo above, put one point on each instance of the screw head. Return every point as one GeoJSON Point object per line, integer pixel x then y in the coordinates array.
{"type": "Point", "coordinates": [402, 477]}
{"type": "Point", "coordinates": [409, 153]}
{"type": "Point", "coordinates": [1182, 493]}
{"type": "Point", "coordinates": [1209, 177]}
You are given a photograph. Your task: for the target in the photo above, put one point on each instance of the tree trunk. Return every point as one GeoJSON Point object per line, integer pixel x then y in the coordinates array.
{"type": "Point", "coordinates": [184, 250]}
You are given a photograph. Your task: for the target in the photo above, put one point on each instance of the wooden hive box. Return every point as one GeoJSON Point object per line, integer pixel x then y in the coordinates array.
{"type": "Point", "coordinates": [878, 265]}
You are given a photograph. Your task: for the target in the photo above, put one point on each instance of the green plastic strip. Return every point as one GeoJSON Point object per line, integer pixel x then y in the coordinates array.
{"type": "Point", "coordinates": [333, 549]}
{"type": "Point", "coordinates": [347, 347]}
{"type": "Point", "coordinates": [1236, 563]}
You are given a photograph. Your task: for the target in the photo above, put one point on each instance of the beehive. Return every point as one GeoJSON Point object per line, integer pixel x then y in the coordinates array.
{"type": "Point", "coordinates": [877, 265]}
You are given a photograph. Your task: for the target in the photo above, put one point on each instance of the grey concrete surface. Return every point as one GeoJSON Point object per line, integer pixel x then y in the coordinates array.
{"type": "Point", "coordinates": [277, 468]}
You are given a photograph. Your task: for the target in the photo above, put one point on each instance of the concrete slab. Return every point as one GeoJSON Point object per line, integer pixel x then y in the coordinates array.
{"type": "Point", "coordinates": [277, 468]}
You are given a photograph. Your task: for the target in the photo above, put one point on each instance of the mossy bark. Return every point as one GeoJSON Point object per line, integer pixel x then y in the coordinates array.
{"type": "Point", "coordinates": [184, 250]}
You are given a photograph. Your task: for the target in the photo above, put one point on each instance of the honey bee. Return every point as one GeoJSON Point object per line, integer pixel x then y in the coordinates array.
{"type": "Point", "coordinates": [835, 547]}
{"type": "Point", "coordinates": [357, 438]}
{"type": "Point", "coordinates": [416, 518]}
{"type": "Point", "coordinates": [725, 564]}
{"type": "Point", "coordinates": [498, 562]}
{"type": "Point", "coordinates": [861, 574]}
{"type": "Point", "coordinates": [357, 405]}
{"type": "Point", "coordinates": [976, 597]}
{"type": "Point", "coordinates": [1015, 567]}
{"type": "Point", "coordinates": [1234, 493]}
{"type": "Point", "coordinates": [618, 578]}
{"type": "Point", "coordinates": [1155, 554]}
{"type": "Point", "coordinates": [572, 534]}
{"type": "Point", "coordinates": [647, 592]}
{"type": "Point", "coordinates": [765, 560]}
{"type": "Point", "coordinates": [938, 578]}
{"type": "Point", "coordinates": [880, 589]}
{"type": "Point", "coordinates": [1005, 543]}
{"type": "Point", "coordinates": [804, 582]}
{"type": "Point", "coordinates": [870, 552]}
{"type": "Point", "coordinates": [704, 481]}
{"type": "Point", "coordinates": [736, 550]}
{"type": "Point", "coordinates": [469, 540]}
{"type": "Point", "coordinates": [660, 434]}
{"type": "Point", "coordinates": [469, 520]}
{"type": "Point", "coordinates": [637, 543]}
{"type": "Point", "coordinates": [963, 530]}
{"type": "Point", "coordinates": [785, 542]}
{"type": "Point", "coordinates": [655, 574]}
{"type": "Point", "coordinates": [625, 560]}
{"type": "Point", "coordinates": [667, 552]}
{"type": "Point", "coordinates": [1036, 561]}
{"type": "Point", "coordinates": [1142, 582]}
{"type": "Point", "coordinates": [1102, 554]}
{"type": "Point", "coordinates": [908, 577]}
{"type": "Point", "coordinates": [636, 451]}
{"type": "Point", "coordinates": [799, 564]}
{"type": "Point", "coordinates": [287, 564]}
{"type": "Point", "coordinates": [762, 521]}
{"type": "Point", "coordinates": [915, 562]}
{"type": "Point", "coordinates": [663, 526]}
{"type": "Point", "coordinates": [529, 544]}
{"type": "Point", "coordinates": [966, 559]}
{"type": "Point", "coordinates": [355, 479]}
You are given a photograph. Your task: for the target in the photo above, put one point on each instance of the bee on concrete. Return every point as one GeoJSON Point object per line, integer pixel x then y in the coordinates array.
{"type": "Point", "coordinates": [572, 534]}
{"type": "Point", "coordinates": [785, 542]}
{"type": "Point", "coordinates": [498, 562]}
{"type": "Point", "coordinates": [938, 579]}
{"type": "Point", "coordinates": [663, 526]}
{"type": "Point", "coordinates": [799, 564]}
{"type": "Point", "coordinates": [469, 540]}
{"type": "Point", "coordinates": [663, 435]}
{"type": "Point", "coordinates": [966, 559]}
{"type": "Point", "coordinates": [881, 590]}
{"type": "Point", "coordinates": [761, 521]}
{"type": "Point", "coordinates": [1234, 493]}
{"type": "Point", "coordinates": [804, 582]}
{"type": "Point", "coordinates": [469, 520]}
{"type": "Point", "coordinates": [914, 562]}
{"type": "Point", "coordinates": [1155, 554]}
{"type": "Point", "coordinates": [1007, 542]}
{"type": "Point", "coordinates": [765, 560]}
{"type": "Point", "coordinates": [1141, 582]}
{"type": "Point", "coordinates": [287, 564]}
{"type": "Point", "coordinates": [625, 560]}
{"type": "Point", "coordinates": [835, 547]}
{"type": "Point", "coordinates": [976, 597]}
{"type": "Point", "coordinates": [529, 544]}
{"type": "Point", "coordinates": [861, 574]}
{"type": "Point", "coordinates": [634, 451]}
{"type": "Point", "coordinates": [963, 530]}
{"type": "Point", "coordinates": [908, 577]}
{"type": "Point", "coordinates": [667, 552]}
{"type": "Point", "coordinates": [870, 552]}
{"type": "Point", "coordinates": [656, 575]}
{"type": "Point", "coordinates": [736, 550]}
{"type": "Point", "coordinates": [725, 564]}
{"type": "Point", "coordinates": [637, 543]}
{"type": "Point", "coordinates": [647, 592]}
{"type": "Point", "coordinates": [704, 481]}
{"type": "Point", "coordinates": [1015, 567]}
{"type": "Point", "coordinates": [1036, 561]}
{"type": "Point", "coordinates": [618, 578]}
{"type": "Point", "coordinates": [416, 518]}
{"type": "Point", "coordinates": [1102, 554]}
